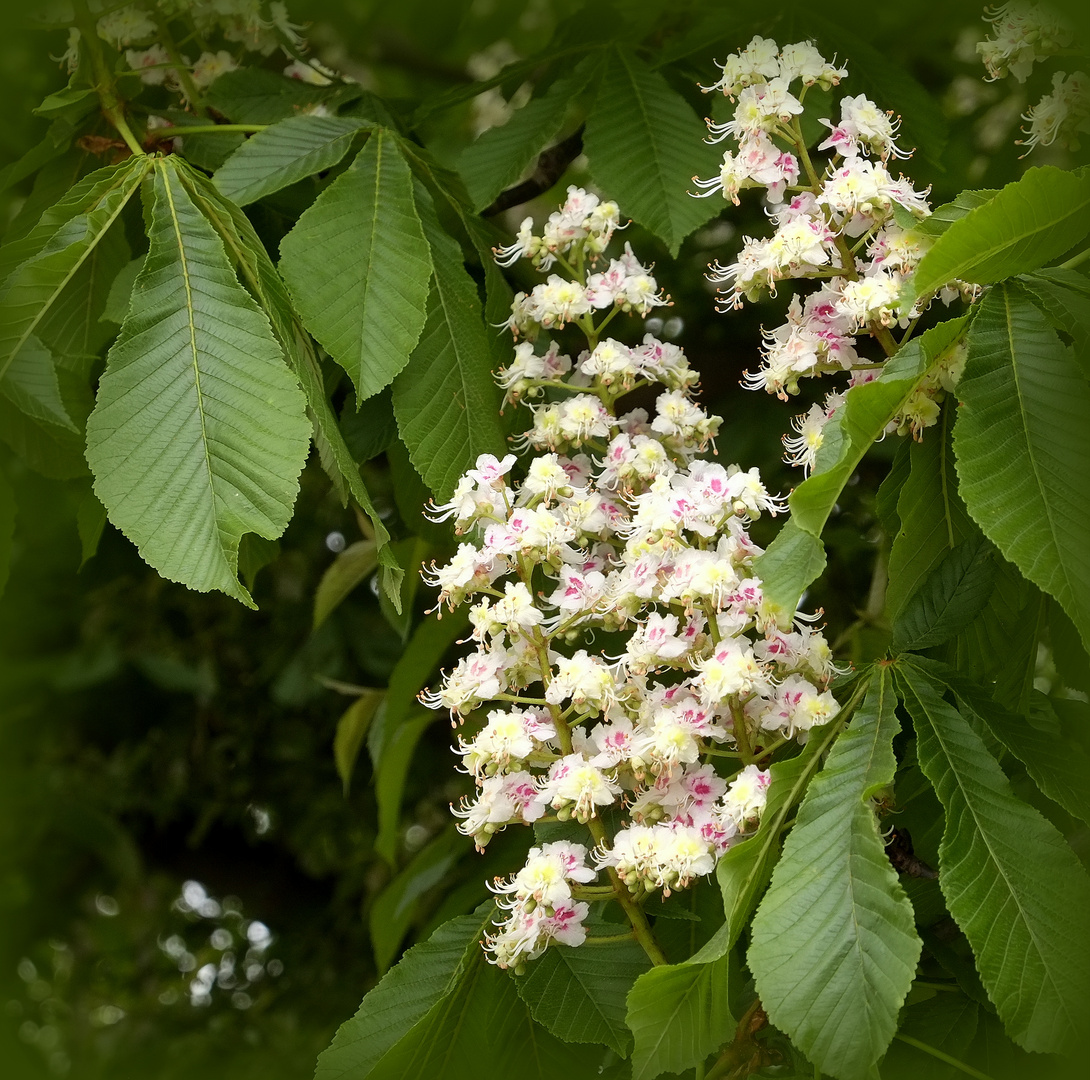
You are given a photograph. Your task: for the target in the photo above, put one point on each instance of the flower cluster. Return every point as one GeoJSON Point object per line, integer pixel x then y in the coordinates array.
{"type": "Point", "coordinates": [616, 529]}
{"type": "Point", "coordinates": [140, 32]}
{"type": "Point", "coordinates": [1023, 35]}
{"type": "Point", "coordinates": [847, 223]}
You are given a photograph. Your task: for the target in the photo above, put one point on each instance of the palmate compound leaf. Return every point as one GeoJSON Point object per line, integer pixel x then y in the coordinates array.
{"type": "Point", "coordinates": [284, 153]}
{"type": "Point", "coordinates": [645, 144]}
{"type": "Point", "coordinates": [446, 401]}
{"type": "Point", "coordinates": [1009, 879]}
{"type": "Point", "coordinates": [796, 556]}
{"type": "Point", "coordinates": [358, 266]}
{"type": "Point", "coordinates": [1022, 444]}
{"type": "Point", "coordinates": [680, 1013]}
{"type": "Point", "coordinates": [833, 947]}
{"type": "Point", "coordinates": [199, 432]}
{"type": "Point", "coordinates": [261, 278]}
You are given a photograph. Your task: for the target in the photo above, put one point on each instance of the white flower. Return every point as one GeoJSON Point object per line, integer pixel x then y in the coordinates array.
{"type": "Point", "coordinates": [126, 26]}
{"type": "Point", "coordinates": [210, 66]}
{"type": "Point", "coordinates": [576, 787]}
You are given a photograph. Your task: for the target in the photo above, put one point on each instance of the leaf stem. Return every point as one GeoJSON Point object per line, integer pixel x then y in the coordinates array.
{"type": "Point", "coordinates": [935, 1052]}
{"type": "Point", "coordinates": [1075, 260]}
{"type": "Point", "coordinates": [185, 76]}
{"type": "Point", "coordinates": [209, 129]}
{"type": "Point", "coordinates": [112, 105]}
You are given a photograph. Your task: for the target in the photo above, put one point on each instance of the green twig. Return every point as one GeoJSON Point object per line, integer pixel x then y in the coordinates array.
{"type": "Point", "coordinates": [112, 105]}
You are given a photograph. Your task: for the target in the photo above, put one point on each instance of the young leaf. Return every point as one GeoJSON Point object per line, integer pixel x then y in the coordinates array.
{"type": "Point", "coordinates": [645, 144]}
{"type": "Point", "coordinates": [579, 993]}
{"type": "Point", "coordinates": [358, 266]}
{"type": "Point", "coordinates": [678, 1014]}
{"type": "Point", "coordinates": [1029, 490]}
{"type": "Point", "coordinates": [1027, 223]}
{"type": "Point", "coordinates": [833, 946]}
{"type": "Point", "coordinates": [446, 402]}
{"type": "Point", "coordinates": [284, 153]}
{"type": "Point", "coordinates": [199, 434]}
{"type": "Point", "coordinates": [252, 95]}
{"type": "Point", "coordinates": [502, 154]}
{"type": "Point", "coordinates": [347, 570]}
{"type": "Point", "coordinates": [1010, 880]}
{"type": "Point", "coordinates": [932, 518]}
{"type": "Point", "coordinates": [949, 599]}
{"type": "Point", "coordinates": [942, 217]}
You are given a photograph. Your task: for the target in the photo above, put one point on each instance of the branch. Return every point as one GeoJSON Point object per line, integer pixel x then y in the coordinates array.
{"type": "Point", "coordinates": [549, 168]}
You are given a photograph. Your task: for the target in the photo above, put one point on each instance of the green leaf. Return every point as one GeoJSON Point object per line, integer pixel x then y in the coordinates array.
{"type": "Point", "coordinates": [645, 144]}
{"type": "Point", "coordinates": [1035, 739]}
{"type": "Point", "coordinates": [796, 557]}
{"type": "Point", "coordinates": [679, 1014]}
{"type": "Point", "coordinates": [347, 570]}
{"type": "Point", "coordinates": [46, 261]}
{"type": "Point", "coordinates": [483, 1028]}
{"type": "Point", "coordinates": [942, 217]}
{"type": "Point", "coordinates": [417, 664]}
{"type": "Point", "coordinates": [90, 522]}
{"type": "Point", "coordinates": [427, 974]}
{"type": "Point", "coordinates": [949, 599]}
{"type": "Point", "coordinates": [391, 775]}
{"type": "Point", "coordinates": [117, 299]}
{"type": "Point", "coordinates": [1029, 488]}
{"type": "Point", "coordinates": [999, 648]}
{"type": "Point", "coordinates": [251, 95]}
{"type": "Point", "coordinates": [1010, 881]}
{"type": "Point", "coordinates": [946, 1022]}
{"type": "Point", "coordinates": [787, 566]}
{"type": "Point", "coordinates": [264, 282]}
{"type": "Point", "coordinates": [357, 266]}
{"type": "Point", "coordinates": [579, 993]}
{"type": "Point", "coordinates": [1027, 223]}
{"type": "Point", "coordinates": [501, 155]}
{"type": "Point", "coordinates": [284, 153]}
{"type": "Point", "coordinates": [31, 385]}
{"type": "Point", "coordinates": [198, 435]}
{"type": "Point", "coordinates": [72, 103]}
{"type": "Point", "coordinates": [933, 519]}
{"type": "Point", "coordinates": [394, 908]}
{"type": "Point", "coordinates": [351, 731]}
{"type": "Point", "coordinates": [254, 553]}
{"type": "Point", "coordinates": [1063, 296]}
{"type": "Point", "coordinates": [446, 402]}
{"type": "Point", "coordinates": [833, 945]}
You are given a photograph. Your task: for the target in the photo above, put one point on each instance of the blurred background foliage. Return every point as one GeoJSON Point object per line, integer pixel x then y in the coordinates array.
{"type": "Point", "coordinates": [188, 887]}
